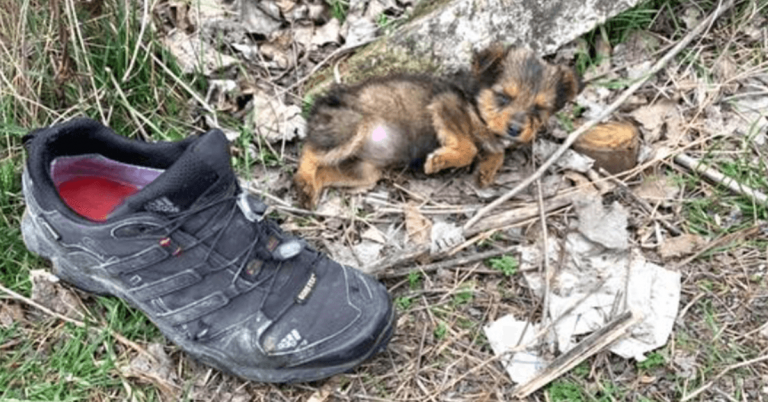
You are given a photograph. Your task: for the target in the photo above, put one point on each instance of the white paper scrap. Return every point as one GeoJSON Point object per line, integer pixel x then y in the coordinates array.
{"type": "Point", "coordinates": [504, 336]}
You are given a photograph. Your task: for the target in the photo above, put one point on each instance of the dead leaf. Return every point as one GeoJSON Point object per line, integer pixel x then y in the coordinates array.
{"type": "Point", "coordinates": [652, 118]}
{"type": "Point", "coordinates": [374, 234]}
{"type": "Point", "coordinates": [203, 11]}
{"type": "Point", "coordinates": [303, 33]}
{"type": "Point", "coordinates": [333, 206]}
{"type": "Point", "coordinates": [638, 70]}
{"type": "Point", "coordinates": [418, 227]}
{"type": "Point", "coordinates": [275, 121]}
{"type": "Point", "coordinates": [676, 129]}
{"type": "Point", "coordinates": [285, 6]}
{"type": "Point", "coordinates": [328, 33]}
{"type": "Point", "coordinates": [636, 49]}
{"type": "Point", "coordinates": [192, 55]}
{"type": "Point", "coordinates": [751, 116]}
{"type": "Point", "coordinates": [680, 246]}
{"type": "Point", "coordinates": [657, 189]}
{"type": "Point", "coordinates": [374, 10]}
{"type": "Point", "coordinates": [725, 69]}
{"type": "Point", "coordinates": [258, 20]}
{"type": "Point", "coordinates": [276, 55]}
{"type": "Point", "coordinates": [604, 225]}
{"type": "Point", "coordinates": [159, 371]}
{"type": "Point", "coordinates": [322, 394]}
{"type": "Point", "coordinates": [10, 314]}
{"type": "Point", "coordinates": [47, 291]}
{"type": "Point", "coordinates": [357, 30]}
{"type": "Point", "coordinates": [594, 100]}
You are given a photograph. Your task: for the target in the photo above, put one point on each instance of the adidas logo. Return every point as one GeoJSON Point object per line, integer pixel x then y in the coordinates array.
{"type": "Point", "coordinates": [163, 205]}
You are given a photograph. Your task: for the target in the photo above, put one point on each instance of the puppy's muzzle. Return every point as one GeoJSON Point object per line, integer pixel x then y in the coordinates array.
{"type": "Point", "coordinates": [516, 126]}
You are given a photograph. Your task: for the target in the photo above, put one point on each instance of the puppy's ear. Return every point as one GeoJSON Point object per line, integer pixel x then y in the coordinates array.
{"type": "Point", "coordinates": [487, 64]}
{"type": "Point", "coordinates": [568, 86]}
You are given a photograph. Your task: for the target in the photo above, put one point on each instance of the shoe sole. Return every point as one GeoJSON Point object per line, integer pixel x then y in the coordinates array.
{"type": "Point", "coordinates": [37, 243]}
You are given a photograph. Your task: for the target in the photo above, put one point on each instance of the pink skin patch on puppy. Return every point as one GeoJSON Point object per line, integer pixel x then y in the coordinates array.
{"type": "Point", "coordinates": [379, 134]}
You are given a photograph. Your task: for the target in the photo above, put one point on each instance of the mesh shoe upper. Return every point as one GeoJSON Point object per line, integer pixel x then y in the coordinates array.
{"type": "Point", "coordinates": [197, 256]}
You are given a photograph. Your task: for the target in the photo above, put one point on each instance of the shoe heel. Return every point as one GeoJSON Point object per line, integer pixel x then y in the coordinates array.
{"type": "Point", "coordinates": [31, 234]}
{"type": "Point", "coordinates": [35, 240]}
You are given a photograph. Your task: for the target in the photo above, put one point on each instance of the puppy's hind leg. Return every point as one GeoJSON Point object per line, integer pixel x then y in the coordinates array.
{"type": "Point", "coordinates": [453, 126]}
{"type": "Point", "coordinates": [488, 167]}
{"type": "Point", "coordinates": [358, 175]}
{"type": "Point", "coordinates": [305, 181]}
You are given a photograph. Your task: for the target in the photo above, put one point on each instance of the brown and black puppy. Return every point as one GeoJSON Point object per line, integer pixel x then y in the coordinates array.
{"type": "Point", "coordinates": [425, 122]}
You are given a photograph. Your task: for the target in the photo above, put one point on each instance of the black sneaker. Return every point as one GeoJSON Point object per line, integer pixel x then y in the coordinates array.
{"type": "Point", "coordinates": [166, 227]}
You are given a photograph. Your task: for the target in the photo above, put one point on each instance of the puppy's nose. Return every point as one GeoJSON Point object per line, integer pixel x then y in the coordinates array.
{"type": "Point", "coordinates": [516, 125]}
{"type": "Point", "coordinates": [513, 130]}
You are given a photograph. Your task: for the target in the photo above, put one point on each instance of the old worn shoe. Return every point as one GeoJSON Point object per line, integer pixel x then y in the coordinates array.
{"type": "Point", "coordinates": [166, 227]}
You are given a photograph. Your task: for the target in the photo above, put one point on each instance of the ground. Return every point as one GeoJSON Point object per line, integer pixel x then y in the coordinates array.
{"type": "Point", "coordinates": [63, 58]}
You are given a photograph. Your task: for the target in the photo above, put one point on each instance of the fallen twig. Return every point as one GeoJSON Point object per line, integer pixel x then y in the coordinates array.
{"type": "Point", "coordinates": [516, 215]}
{"type": "Point", "coordinates": [703, 25]}
{"type": "Point", "coordinates": [592, 344]}
{"type": "Point", "coordinates": [719, 178]}
{"type": "Point", "coordinates": [450, 263]}
{"type": "Point", "coordinates": [397, 260]}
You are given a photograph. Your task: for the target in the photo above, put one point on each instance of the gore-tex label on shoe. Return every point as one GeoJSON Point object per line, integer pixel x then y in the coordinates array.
{"type": "Point", "coordinates": [305, 292]}
{"type": "Point", "coordinates": [162, 205]}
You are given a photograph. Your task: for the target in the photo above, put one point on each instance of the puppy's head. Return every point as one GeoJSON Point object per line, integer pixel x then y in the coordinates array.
{"type": "Point", "coordinates": [518, 91]}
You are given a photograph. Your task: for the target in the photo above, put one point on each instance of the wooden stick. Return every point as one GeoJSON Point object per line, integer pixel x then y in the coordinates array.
{"type": "Point", "coordinates": [396, 260]}
{"type": "Point", "coordinates": [516, 215]}
{"type": "Point", "coordinates": [545, 253]}
{"type": "Point", "coordinates": [719, 178]}
{"type": "Point", "coordinates": [452, 263]}
{"type": "Point", "coordinates": [703, 25]}
{"type": "Point", "coordinates": [591, 345]}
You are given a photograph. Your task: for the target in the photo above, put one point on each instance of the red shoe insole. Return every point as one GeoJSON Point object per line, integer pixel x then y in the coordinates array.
{"type": "Point", "coordinates": [94, 197]}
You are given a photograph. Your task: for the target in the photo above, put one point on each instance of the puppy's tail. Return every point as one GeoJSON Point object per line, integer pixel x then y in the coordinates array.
{"type": "Point", "coordinates": [335, 129]}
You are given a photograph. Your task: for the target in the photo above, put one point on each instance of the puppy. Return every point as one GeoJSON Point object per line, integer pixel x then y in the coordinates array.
{"type": "Point", "coordinates": [426, 122]}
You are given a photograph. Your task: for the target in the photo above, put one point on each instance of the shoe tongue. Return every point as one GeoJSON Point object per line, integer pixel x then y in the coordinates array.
{"type": "Point", "coordinates": [202, 173]}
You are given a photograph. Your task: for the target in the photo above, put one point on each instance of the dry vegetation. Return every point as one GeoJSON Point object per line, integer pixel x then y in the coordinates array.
{"type": "Point", "coordinates": [62, 58]}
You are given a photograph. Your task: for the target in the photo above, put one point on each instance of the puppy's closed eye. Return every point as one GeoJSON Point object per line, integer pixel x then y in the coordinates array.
{"type": "Point", "coordinates": [503, 99]}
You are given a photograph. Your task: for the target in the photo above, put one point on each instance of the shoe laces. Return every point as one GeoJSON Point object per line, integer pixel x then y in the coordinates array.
{"type": "Point", "coordinates": [269, 242]}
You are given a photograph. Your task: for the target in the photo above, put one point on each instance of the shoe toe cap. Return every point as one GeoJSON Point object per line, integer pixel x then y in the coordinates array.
{"type": "Point", "coordinates": [348, 316]}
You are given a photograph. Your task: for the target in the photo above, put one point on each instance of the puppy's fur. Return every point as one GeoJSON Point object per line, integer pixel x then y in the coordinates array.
{"type": "Point", "coordinates": [413, 120]}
